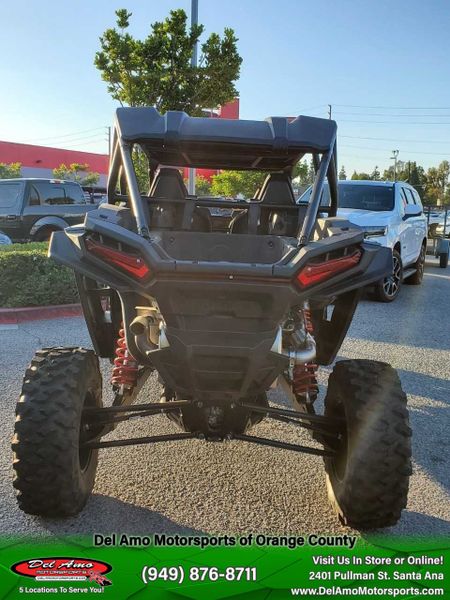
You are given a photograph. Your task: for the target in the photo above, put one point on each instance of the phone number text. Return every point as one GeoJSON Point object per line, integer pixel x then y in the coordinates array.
{"type": "Point", "coordinates": [178, 574]}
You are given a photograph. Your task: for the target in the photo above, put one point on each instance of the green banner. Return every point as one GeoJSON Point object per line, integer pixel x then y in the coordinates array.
{"type": "Point", "coordinates": [254, 567]}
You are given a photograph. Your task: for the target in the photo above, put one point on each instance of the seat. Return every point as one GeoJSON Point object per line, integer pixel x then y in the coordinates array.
{"type": "Point", "coordinates": [168, 184]}
{"type": "Point", "coordinates": [276, 190]}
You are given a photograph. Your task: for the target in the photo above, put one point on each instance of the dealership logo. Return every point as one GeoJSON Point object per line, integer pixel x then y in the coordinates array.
{"type": "Point", "coordinates": [64, 569]}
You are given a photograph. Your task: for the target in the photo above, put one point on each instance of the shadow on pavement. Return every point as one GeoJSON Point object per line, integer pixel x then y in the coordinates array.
{"type": "Point", "coordinates": [412, 523]}
{"type": "Point", "coordinates": [106, 515]}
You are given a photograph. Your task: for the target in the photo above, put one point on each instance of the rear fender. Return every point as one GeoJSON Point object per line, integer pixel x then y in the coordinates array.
{"type": "Point", "coordinates": [48, 223]}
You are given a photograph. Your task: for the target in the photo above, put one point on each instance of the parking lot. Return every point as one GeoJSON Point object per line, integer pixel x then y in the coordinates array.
{"type": "Point", "coordinates": [195, 486]}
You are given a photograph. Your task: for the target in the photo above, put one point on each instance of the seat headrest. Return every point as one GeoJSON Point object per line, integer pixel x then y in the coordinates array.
{"type": "Point", "coordinates": [277, 189]}
{"type": "Point", "coordinates": [168, 183]}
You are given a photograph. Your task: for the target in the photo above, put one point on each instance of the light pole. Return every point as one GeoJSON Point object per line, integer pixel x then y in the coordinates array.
{"type": "Point", "coordinates": [394, 158]}
{"type": "Point", "coordinates": [194, 21]}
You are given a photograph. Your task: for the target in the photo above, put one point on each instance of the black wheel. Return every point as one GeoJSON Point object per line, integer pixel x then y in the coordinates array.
{"type": "Point", "coordinates": [388, 288]}
{"type": "Point", "coordinates": [53, 475]}
{"type": "Point", "coordinates": [443, 260]}
{"type": "Point", "coordinates": [368, 478]}
{"type": "Point", "coordinates": [44, 234]}
{"type": "Point", "coordinates": [419, 265]}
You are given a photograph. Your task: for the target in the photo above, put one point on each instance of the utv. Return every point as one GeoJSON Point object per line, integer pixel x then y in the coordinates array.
{"type": "Point", "coordinates": [220, 315]}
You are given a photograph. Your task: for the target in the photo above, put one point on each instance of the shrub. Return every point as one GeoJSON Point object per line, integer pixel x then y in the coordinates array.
{"type": "Point", "coordinates": [29, 278]}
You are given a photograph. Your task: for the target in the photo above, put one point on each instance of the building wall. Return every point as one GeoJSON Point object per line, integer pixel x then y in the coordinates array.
{"type": "Point", "coordinates": [38, 161]}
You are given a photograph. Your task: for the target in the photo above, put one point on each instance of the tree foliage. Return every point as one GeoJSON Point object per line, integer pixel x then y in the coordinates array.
{"type": "Point", "coordinates": [246, 183]}
{"type": "Point", "coordinates": [342, 173]}
{"type": "Point", "coordinates": [235, 183]}
{"type": "Point", "coordinates": [300, 172]}
{"type": "Point", "coordinates": [157, 71]}
{"type": "Point", "coordinates": [360, 176]}
{"type": "Point", "coordinates": [433, 185]}
{"type": "Point", "coordinates": [76, 172]}
{"type": "Point", "coordinates": [10, 170]}
{"type": "Point", "coordinates": [202, 186]}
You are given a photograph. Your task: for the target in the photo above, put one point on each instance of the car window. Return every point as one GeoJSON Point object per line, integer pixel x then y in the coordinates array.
{"type": "Point", "coordinates": [403, 197]}
{"type": "Point", "coordinates": [9, 193]}
{"type": "Point", "coordinates": [366, 197]}
{"type": "Point", "coordinates": [324, 200]}
{"type": "Point", "coordinates": [51, 193]}
{"type": "Point", "coordinates": [33, 200]}
{"type": "Point", "coordinates": [408, 195]}
{"type": "Point", "coordinates": [74, 193]}
{"type": "Point", "coordinates": [415, 193]}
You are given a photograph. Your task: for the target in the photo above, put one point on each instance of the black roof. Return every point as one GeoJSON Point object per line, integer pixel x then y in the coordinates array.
{"type": "Point", "coordinates": [175, 139]}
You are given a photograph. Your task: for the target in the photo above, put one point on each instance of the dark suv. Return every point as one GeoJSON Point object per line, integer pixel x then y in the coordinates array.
{"type": "Point", "coordinates": [31, 209]}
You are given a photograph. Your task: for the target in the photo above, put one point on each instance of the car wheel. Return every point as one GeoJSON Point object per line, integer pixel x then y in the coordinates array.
{"type": "Point", "coordinates": [44, 235]}
{"type": "Point", "coordinates": [388, 288]}
{"type": "Point", "coordinates": [419, 265]}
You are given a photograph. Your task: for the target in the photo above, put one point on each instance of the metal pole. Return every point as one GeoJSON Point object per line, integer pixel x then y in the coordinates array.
{"type": "Point", "coordinates": [394, 158]}
{"type": "Point", "coordinates": [194, 21]}
{"type": "Point", "coordinates": [329, 111]}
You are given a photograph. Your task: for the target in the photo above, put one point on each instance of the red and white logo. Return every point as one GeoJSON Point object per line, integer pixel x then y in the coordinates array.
{"type": "Point", "coordinates": [64, 569]}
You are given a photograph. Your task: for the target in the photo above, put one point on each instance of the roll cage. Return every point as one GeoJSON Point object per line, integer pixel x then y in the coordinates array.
{"type": "Point", "coordinates": [177, 140]}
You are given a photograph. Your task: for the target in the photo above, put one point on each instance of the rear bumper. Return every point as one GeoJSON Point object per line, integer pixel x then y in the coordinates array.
{"type": "Point", "coordinates": [222, 315]}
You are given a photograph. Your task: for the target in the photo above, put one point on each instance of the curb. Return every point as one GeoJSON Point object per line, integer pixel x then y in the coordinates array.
{"type": "Point", "coordinates": [13, 316]}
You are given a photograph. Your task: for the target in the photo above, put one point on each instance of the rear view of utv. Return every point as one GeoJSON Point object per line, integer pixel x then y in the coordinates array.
{"type": "Point", "coordinates": [222, 316]}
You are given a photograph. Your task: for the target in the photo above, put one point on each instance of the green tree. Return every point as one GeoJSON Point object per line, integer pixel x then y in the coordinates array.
{"type": "Point", "coordinates": [10, 171]}
{"type": "Point", "coordinates": [235, 183]}
{"type": "Point", "coordinates": [375, 175]}
{"type": "Point", "coordinates": [157, 71]}
{"type": "Point", "coordinates": [202, 186]}
{"type": "Point", "coordinates": [140, 164]}
{"type": "Point", "coordinates": [342, 173]}
{"type": "Point", "coordinates": [311, 172]}
{"type": "Point", "coordinates": [76, 172]}
{"type": "Point", "coordinates": [437, 187]}
{"type": "Point", "coordinates": [359, 176]}
{"type": "Point", "coordinates": [300, 172]}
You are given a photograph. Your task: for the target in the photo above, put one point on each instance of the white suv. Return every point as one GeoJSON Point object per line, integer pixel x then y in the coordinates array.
{"type": "Point", "coordinates": [391, 215]}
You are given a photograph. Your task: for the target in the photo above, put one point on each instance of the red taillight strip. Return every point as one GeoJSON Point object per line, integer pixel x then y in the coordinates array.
{"type": "Point", "coordinates": [317, 272]}
{"type": "Point", "coordinates": [134, 265]}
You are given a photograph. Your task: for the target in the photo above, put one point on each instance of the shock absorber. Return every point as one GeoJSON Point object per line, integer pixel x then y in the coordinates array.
{"type": "Point", "coordinates": [304, 377]}
{"type": "Point", "coordinates": [125, 368]}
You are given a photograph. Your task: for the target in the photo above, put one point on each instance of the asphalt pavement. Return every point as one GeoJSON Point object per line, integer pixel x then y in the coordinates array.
{"type": "Point", "coordinates": [235, 487]}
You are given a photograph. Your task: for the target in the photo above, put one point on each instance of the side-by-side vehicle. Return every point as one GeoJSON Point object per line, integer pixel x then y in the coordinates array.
{"type": "Point", "coordinates": [220, 315]}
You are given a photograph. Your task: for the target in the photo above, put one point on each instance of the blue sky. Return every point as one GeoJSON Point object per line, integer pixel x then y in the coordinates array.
{"type": "Point", "coordinates": [298, 57]}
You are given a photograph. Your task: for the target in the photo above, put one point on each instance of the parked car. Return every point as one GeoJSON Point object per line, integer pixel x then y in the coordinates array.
{"type": "Point", "coordinates": [31, 209]}
{"type": "Point", "coordinates": [435, 220]}
{"type": "Point", "coordinates": [391, 215]}
{"type": "Point", "coordinates": [444, 224]}
{"type": "Point", "coordinates": [4, 239]}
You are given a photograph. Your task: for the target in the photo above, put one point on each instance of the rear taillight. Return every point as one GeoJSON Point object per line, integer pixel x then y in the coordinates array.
{"type": "Point", "coordinates": [313, 273]}
{"type": "Point", "coordinates": [131, 264]}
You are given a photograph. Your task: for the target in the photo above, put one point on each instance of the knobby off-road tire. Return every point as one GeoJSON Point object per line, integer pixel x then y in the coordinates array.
{"type": "Point", "coordinates": [419, 265]}
{"type": "Point", "coordinates": [368, 479]}
{"type": "Point", "coordinates": [53, 477]}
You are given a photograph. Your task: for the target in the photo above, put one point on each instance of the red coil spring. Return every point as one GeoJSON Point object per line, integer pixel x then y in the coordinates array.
{"type": "Point", "coordinates": [308, 320]}
{"type": "Point", "coordinates": [125, 368]}
{"type": "Point", "coordinates": [305, 380]}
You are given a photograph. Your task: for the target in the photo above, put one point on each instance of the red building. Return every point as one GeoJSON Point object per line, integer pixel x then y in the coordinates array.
{"type": "Point", "coordinates": [39, 161]}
